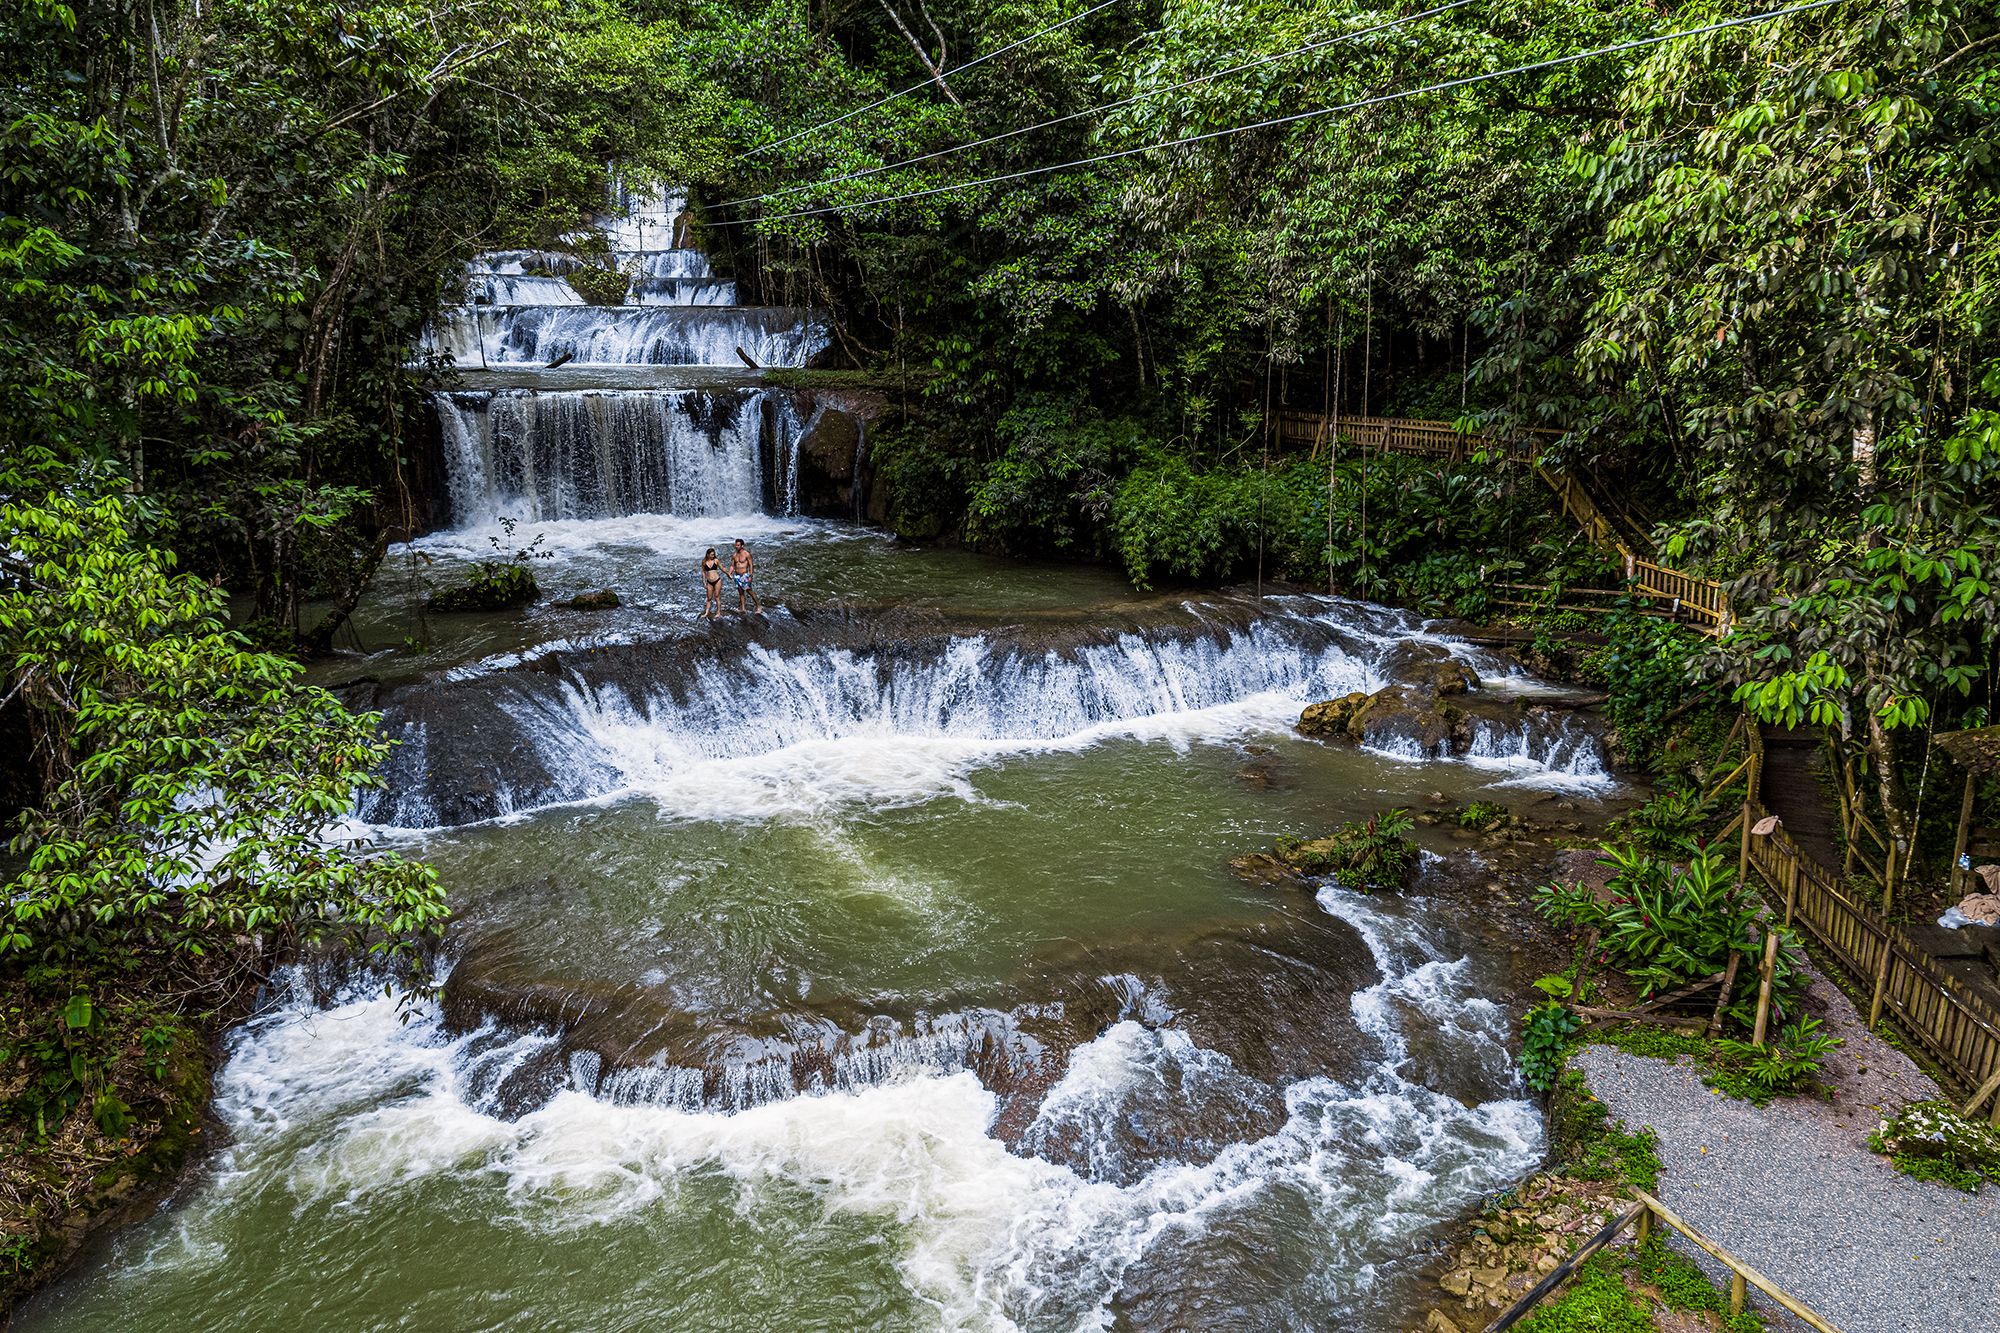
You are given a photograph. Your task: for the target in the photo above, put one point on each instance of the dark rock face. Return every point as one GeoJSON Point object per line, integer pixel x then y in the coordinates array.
{"type": "Point", "coordinates": [1400, 716]}
{"type": "Point", "coordinates": [1328, 720]}
{"type": "Point", "coordinates": [1428, 666]}
{"type": "Point", "coordinates": [833, 449]}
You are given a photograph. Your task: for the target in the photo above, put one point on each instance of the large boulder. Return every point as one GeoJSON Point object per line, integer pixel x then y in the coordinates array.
{"type": "Point", "coordinates": [1405, 717]}
{"type": "Point", "coordinates": [1328, 719]}
{"type": "Point", "coordinates": [1430, 666]}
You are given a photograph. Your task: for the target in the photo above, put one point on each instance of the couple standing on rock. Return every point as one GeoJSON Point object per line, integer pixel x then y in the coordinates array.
{"type": "Point", "coordinates": [741, 573]}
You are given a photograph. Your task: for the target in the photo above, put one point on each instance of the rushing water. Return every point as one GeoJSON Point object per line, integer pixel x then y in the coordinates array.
{"type": "Point", "coordinates": [875, 962]}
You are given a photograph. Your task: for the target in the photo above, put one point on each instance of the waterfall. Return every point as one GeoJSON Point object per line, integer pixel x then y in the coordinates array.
{"type": "Point", "coordinates": [686, 334]}
{"type": "Point", "coordinates": [765, 732]}
{"type": "Point", "coordinates": [520, 447]}
{"type": "Point", "coordinates": [601, 454]}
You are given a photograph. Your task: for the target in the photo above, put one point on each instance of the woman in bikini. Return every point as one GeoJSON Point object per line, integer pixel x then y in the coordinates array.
{"type": "Point", "coordinates": [711, 574]}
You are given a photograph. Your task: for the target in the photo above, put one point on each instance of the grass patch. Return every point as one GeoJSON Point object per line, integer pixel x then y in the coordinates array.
{"type": "Point", "coordinates": [796, 377]}
{"type": "Point", "coordinates": [1589, 1147]}
{"type": "Point", "coordinates": [1938, 1169]}
{"type": "Point", "coordinates": [1719, 1069]}
{"type": "Point", "coordinates": [1618, 1292]}
{"type": "Point", "coordinates": [1596, 1301]}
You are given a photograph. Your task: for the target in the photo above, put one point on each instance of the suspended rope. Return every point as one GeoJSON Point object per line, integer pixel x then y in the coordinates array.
{"type": "Point", "coordinates": [925, 83]}
{"type": "Point", "coordinates": [1273, 122]}
{"type": "Point", "coordinates": [1096, 110]}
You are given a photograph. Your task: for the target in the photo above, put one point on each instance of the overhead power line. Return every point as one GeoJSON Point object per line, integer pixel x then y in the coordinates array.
{"type": "Point", "coordinates": [1447, 86]}
{"type": "Point", "coordinates": [1307, 49]}
{"type": "Point", "coordinates": [917, 87]}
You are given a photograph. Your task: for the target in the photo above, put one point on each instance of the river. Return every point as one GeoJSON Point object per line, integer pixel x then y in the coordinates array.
{"type": "Point", "coordinates": [873, 963]}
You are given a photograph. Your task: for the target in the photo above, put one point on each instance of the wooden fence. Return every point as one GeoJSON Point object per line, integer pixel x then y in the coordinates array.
{"type": "Point", "coordinates": [1957, 1028]}
{"type": "Point", "coordinates": [1424, 439]}
{"type": "Point", "coordinates": [1704, 600]}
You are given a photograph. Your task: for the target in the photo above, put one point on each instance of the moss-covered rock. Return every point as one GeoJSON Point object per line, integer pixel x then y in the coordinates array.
{"type": "Point", "coordinates": [1933, 1130]}
{"type": "Point", "coordinates": [1407, 716]}
{"type": "Point", "coordinates": [604, 599]}
{"type": "Point", "coordinates": [1328, 719]}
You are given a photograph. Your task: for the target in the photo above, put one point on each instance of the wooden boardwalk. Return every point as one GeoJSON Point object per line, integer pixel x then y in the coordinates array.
{"type": "Point", "coordinates": [1703, 602]}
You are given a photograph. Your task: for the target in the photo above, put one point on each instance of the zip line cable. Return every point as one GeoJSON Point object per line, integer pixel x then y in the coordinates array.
{"type": "Point", "coordinates": [1099, 110]}
{"type": "Point", "coordinates": [938, 78]}
{"type": "Point", "coordinates": [1447, 86]}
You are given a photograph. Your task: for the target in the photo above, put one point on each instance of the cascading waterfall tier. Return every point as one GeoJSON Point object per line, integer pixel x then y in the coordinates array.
{"type": "Point", "coordinates": [821, 712]}
{"type": "Point", "coordinates": [536, 456]}
{"type": "Point", "coordinates": [525, 449]}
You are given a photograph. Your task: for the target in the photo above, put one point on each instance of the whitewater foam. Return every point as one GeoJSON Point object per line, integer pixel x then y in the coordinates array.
{"type": "Point", "coordinates": [353, 1107]}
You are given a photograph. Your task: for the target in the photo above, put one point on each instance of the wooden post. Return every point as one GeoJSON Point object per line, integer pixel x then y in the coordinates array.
{"type": "Point", "coordinates": [1964, 836]}
{"type": "Point", "coordinates": [1743, 855]}
{"type": "Point", "coordinates": [1764, 987]}
{"type": "Point", "coordinates": [1728, 989]}
{"type": "Point", "coordinates": [1736, 1294]}
{"type": "Point", "coordinates": [1793, 868]}
{"type": "Point", "coordinates": [1645, 1232]}
{"type": "Point", "coordinates": [1881, 977]}
{"type": "Point", "coordinates": [1889, 879]}
{"type": "Point", "coordinates": [1736, 1265]}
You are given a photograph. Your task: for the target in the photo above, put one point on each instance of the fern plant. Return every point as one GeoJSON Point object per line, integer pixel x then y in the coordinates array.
{"type": "Point", "coordinates": [1787, 1064]}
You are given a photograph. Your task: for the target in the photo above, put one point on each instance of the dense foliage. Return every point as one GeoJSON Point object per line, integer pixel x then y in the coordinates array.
{"type": "Point", "coordinates": [1749, 276]}
{"type": "Point", "coordinates": [190, 781]}
{"type": "Point", "coordinates": [1666, 925]}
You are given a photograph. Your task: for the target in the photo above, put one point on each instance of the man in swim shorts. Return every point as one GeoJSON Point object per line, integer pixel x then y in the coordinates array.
{"type": "Point", "coordinates": [742, 574]}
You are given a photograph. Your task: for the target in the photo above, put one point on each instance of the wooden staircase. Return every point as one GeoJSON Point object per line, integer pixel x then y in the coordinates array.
{"type": "Point", "coordinates": [1703, 602]}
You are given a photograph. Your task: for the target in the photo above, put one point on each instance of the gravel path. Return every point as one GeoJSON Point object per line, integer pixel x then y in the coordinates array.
{"type": "Point", "coordinates": [1793, 1190]}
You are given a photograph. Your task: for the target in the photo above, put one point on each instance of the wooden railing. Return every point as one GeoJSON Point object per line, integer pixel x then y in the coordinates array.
{"type": "Point", "coordinates": [1703, 601]}
{"type": "Point", "coordinates": [1958, 1029]}
{"type": "Point", "coordinates": [1643, 1215]}
{"type": "Point", "coordinates": [1424, 439]}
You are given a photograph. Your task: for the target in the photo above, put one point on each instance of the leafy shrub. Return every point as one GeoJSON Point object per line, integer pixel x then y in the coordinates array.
{"type": "Point", "coordinates": [1545, 1035]}
{"type": "Point", "coordinates": [1457, 583]}
{"type": "Point", "coordinates": [1787, 1064]}
{"type": "Point", "coordinates": [1645, 666]}
{"type": "Point", "coordinates": [926, 481]}
{"type": "Point", "coordinates": [490, 588]}
{"type": "Point", "coordinates": [1666, 927]}
{"type": "Point", "coordinates": [196, 777]}
{"type": "Point", "coordinates": [1051, 488]}
{"type": "Point", "coordinates": [1484, 815]}
{"type": "Point", "coordinates": [599, 284]}
{"type": "Point", "coordinates": [1361, 854]}
{"type": "Point", "coordinates": [1173, 521]}
{"type": "Point", "coordinates": [1673, 818]}
{"type": "Point", "coordinates": [495, 585]}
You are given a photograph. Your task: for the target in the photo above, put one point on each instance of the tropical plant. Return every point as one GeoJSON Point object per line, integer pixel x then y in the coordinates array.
{"type": "Point", "coordinates": [193, 786]}
{"type": "Point", "coordinates": [1788, 1063]}
{"type": "Point", "coordinates": [1666, 926]}
{"type": "Point", "coordinates": [1545, 1036]}
{"type": "Point", "coordinates": [1362, 854]}
{"type": "Point", "coordinates": [507, 580]}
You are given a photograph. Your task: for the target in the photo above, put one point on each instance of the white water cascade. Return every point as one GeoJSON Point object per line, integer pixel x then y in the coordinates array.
{"type": "Point", "coordinates": [777, 732]}
{"type": "Point", "coordinates": [575, 410]}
